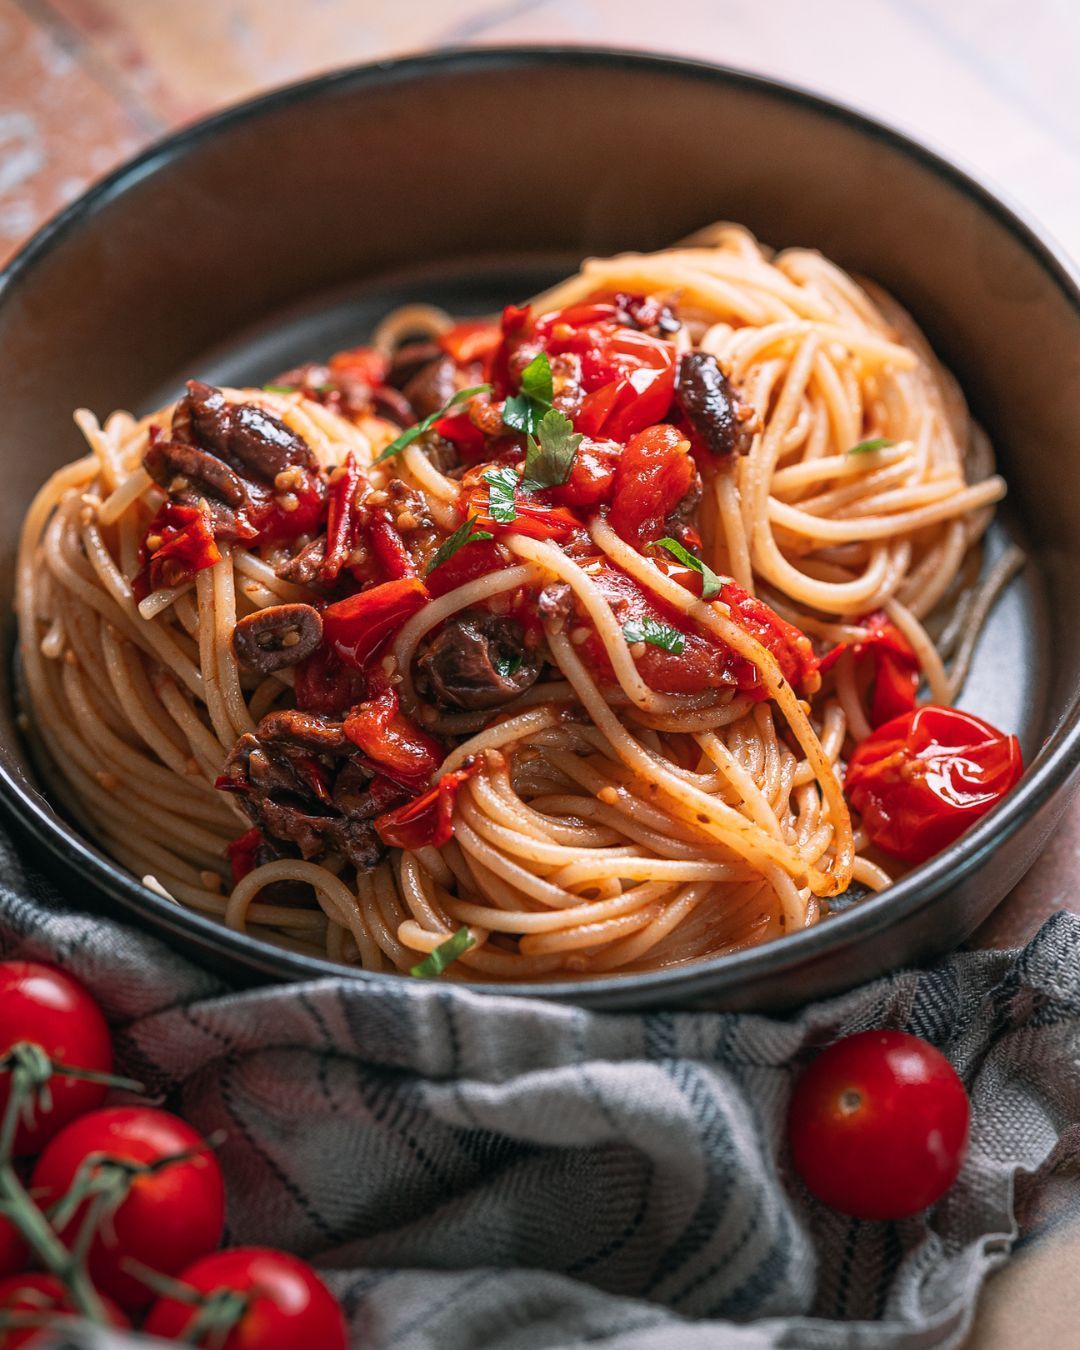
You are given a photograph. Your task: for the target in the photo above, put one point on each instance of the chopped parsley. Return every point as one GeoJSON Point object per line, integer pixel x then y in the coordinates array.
{"type": "Point", "coordinates": [507, 665]}
{"type": "Point", "coordinates": [655, 632]}
{"type": "Point", "coordinates": [710, 582]}
{"type": "Point", "coordinates": [280, 388]}
{"type": "Point", "coordinates": [549, 458]}
{"type": "Point", "coordinates": [444, 955]}
{"type": "Point", "coordinates": [523, 411]}
{"type": "Point", "coordinates": [502, 484]}
{"type": "Point", "coordinates": [464, 534]}
{"type": "Point", "coordinates": [868, 447]}
{"type": "Point", "coordinates": [411, 434]}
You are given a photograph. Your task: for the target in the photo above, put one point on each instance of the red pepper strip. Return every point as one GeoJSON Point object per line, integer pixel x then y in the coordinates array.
{"type": "Point", "coordinates": [388, 547]}
{"type": "Point", "coordinates": [358, 626]}
{"type": "Point", "coordinates": [187, 546]}
{"type": "Point", "coordinates": [341, 517]}
{"type": "Point", "coordinates": [474, 340]}
{"type": "Point", "coordinates": [428, 820]}
{"type": "Point", "coordinates": [392, 740]}
{"type": "Point", "coordinates": [460, 430]}
{"type": "Point", "coordinates": [242, 852]}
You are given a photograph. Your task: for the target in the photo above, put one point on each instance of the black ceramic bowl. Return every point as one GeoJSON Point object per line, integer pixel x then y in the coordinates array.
{"type": "Point", "coordinates": [283, 228]}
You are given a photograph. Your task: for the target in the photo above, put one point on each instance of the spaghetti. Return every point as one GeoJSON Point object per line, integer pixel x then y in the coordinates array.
{"type": "Point", "coordinates": [556, 630]}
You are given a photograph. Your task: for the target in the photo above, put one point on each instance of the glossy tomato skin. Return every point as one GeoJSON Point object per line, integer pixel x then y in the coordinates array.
{"type": "Point", "coordinates": [13, 1251]}
{"type": "Point", "coordinates": [292, 1310]}
{"type": "Point", "coordinates": [39, 1293]}
{"type": "Point", "coordinates": [920, 780]}
{"type": "Point", "coordinates": [878, 1125]}
{"type": "Point", "coordinates": [169, 1217]}
{"type": "Point", "coordinates": [41, 1004]}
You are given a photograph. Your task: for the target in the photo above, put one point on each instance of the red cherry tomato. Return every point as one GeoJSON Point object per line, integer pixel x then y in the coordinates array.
{"type": "Point", "coordinates": [290, 1308]}
{"type": "Point", "coordinates": [168, 1219]}
{"type": "Point", "coordinates": [41, 1004]}
{"type": "Point", "coordinates": [878, 1125]}
{"type": "Point", "coordinates": [652, 476]}
{"type": "Point", "coordinates": [920, 780]}
{"type": "Point", "coordinates": [45, 1295]}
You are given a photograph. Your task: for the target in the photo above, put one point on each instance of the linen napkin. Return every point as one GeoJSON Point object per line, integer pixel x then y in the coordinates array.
{"type": "Point", "coordinates": [471, 1171]}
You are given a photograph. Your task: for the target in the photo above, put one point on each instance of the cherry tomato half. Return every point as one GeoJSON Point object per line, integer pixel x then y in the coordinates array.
{"type": "Point", "coordinates": [169, 1217]}
{"type": "Point", "coordinates": [878, 1125]}
{"type": "Point", "coordinates": [291, 1308]}
{"type": "Point", "coordinates": [43, 1295]}
{"type": "Point", "coordinates": [920, 780]}
{"type": "Point", "coordinates": [41, 1004]}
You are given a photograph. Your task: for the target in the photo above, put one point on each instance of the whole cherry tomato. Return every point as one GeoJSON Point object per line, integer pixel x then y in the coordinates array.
{"type": "Point", "coordinates": [42, 1295]}
{"type": "Point", "coordinates": [290, 1307]}
{"type": "Point", "coordinates": [878, 1125]}
{"type": "Point", "coordinates": [920, 780]}
{"type": "Point", "coordinates": [170, 1216]}
{"type": "Point", "coordinates": [41, 1004]}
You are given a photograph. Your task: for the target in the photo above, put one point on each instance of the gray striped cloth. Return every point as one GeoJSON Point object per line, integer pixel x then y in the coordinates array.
{"type": "Point", "coordinates": [473, 1171]}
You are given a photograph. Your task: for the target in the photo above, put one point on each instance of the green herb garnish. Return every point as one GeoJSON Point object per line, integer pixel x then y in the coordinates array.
{"type": "Point", "coordinates": [464, 534]}
{"type": "Point", "coordinates": [280, 388]}
{"type": "Point", "coordinates": [507, 666]}
{"type": "Point", "coordinates": [710, 582]}
{"type": "Point", "coordinates": [444, 955]}
{"type": "Point", "coordinates": [407, 437]}
{"type": "Point", "coordinates": [523, 411]}
{"type": "Point", "coordinates": [502, 484]}
{"type": "Point", "coordinates": [549, 458]}
{"type": "Point", "coordinates": [659, 634]}
{"type": "Point", "coordinates": [868, 447]}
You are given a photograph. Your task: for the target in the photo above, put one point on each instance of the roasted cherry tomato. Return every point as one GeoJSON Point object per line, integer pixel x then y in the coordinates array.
{"type": "Point", "coordinates": [289, 1307]}
{"type": "Point", "coordinates": [35, 1293]}
{"type": "Point", "coordinates": [592, 476]}
{"type": "Point", "coordinates": [878, 1125]}
{"type": "Point", "coordinates": [471, 340]}
{"type": "Point", "coordinates": [41, 1004]}
{"type": "Point", "coordinates": [628, 376]}
{"type": "Point", "coordinates": [478, 558]}
{"type": "Point", "coordinates": [920, 780]}
{"type": "Point", "coordinates": [895, 667]}
{"type": "Point", "coordinates": [168, 1218]}
{"type": "Point", "coordinates": [178, 543]}
{"type": "Point", "coordinates": [653, 475]}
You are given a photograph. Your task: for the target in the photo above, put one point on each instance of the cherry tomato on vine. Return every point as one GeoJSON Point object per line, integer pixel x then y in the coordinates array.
{"type": "Point", "coordinates": [878, 1125]}
{"type": "Point", "coordinates": [290, 1307]}
{"type": "Point", "coordinates": [45, 1295]}
{"type": "Point", "coordinates": [920, 780]}
{"type": "Point", "coordinates": [41, 1004]}
{"type": "Point", "coordinates": [169, 1217]}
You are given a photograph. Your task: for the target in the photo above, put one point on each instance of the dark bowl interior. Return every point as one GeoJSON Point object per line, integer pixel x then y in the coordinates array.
{"type": "Point", "coordinates": [286, 227]}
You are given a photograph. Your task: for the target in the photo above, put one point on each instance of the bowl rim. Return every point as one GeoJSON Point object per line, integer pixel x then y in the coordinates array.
{"type": "Point", "coordinates": [1057, 759]}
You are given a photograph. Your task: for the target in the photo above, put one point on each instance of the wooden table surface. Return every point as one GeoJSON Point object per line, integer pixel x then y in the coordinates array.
{"type": "Point", "coordinates": [995, 85]}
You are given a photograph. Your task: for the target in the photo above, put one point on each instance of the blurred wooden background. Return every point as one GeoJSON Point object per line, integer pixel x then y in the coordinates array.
{"type": "Point", "coordinates": [995, 84]}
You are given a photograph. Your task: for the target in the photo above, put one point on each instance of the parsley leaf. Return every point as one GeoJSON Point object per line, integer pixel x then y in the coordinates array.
{"type": "Point", "coordinates": [523, 411]}
{"type": "Point", "coordinates": [280, 388]}
{"type": "Point", "coordinates": [710, 582]}
{"type": "Point", "coordinates": [464, 534]}
{"type": "Point", "coordinates": [659, 634]}
{"type": "Point", "coordinates": [444, 954]}
{"type": "Point", "coordinates": [550, 458]}
{"type": "Point", "coordinates": [507, 665]}
{"type": "Point", "coordinates": [502, 484]}
{"type": "Point", "coordinates": [407, 437]}
{"type": "Point", "coordinates": [868, 447]}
